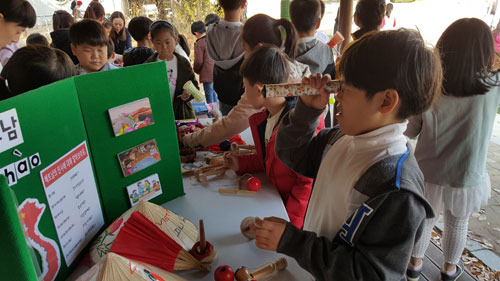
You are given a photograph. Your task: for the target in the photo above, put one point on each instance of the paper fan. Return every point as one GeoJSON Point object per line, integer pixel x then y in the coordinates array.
{"type": "Point", "coordinates": [141, 240]}
{"type": "Point", "coordinates": [178, 228]}
{"type": "Point", "coordinates": [115, 267]}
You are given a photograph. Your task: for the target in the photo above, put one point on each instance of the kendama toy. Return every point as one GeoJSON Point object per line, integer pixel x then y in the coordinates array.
{"type": "Point", "coordinates": [245, 227]}
{"type": "Point", "coordinates": [203, 250]}
{"type": "Point", "coordinates": [242, 148]}
{"type": "Point", "coordinates": [243, 274]}
{"type": "Point", "coordinates": [203, 175]}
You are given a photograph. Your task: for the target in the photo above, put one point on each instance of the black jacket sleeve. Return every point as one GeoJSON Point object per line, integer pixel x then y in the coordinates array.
{"type": "Point", "coordinates": [296, 145]}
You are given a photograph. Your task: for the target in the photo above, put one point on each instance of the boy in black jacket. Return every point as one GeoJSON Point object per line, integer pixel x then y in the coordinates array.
{"type": "Point", "coordinates": [367, 207]}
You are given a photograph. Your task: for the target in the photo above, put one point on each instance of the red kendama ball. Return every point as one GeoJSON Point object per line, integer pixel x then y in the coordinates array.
{"type": "Point", "coordinates": [253, 184]}
{"type": "Point", "coordinates": [224, 273]}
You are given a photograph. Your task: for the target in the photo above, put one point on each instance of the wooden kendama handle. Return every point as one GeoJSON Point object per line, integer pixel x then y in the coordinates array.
{"type": "Point", "coordinates": [269, 268]}
{"type": "Point", "coordinates": [216, 171]}
{"type": "Point", "coordinates": [203, 241]}
{"type": "Point", "coordinates": [236, 191]}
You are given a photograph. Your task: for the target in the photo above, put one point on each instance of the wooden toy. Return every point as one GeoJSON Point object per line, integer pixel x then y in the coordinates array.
{"type": "Point", "coordinates": [202, 177]}
{"type": "Point", "coordinates": [243, 274]}
{"type": "Point", "coordinates": [230, 191]}
{"type": "Point", "coordinates": [203, 250]}
{"type": "Point", "coordinates": [242, 148]}
{"type": "Point", "coordinates": [245, 227]}
{"type": "Point", "coordinates": [224, 273]}
{"type": "Point", "coordinates": [253, 184]}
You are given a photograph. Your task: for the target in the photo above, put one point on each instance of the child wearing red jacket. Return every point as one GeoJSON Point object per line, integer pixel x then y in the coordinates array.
{"type": "Point", "coordinates": [268, 65]}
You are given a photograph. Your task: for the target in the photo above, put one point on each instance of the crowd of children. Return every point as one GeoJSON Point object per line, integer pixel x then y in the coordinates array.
{"type": "Point", "coordinates": [361, 204]}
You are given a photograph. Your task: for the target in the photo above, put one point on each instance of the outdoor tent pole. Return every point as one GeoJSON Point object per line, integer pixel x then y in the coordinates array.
{"type": "Point", "coordinates": [345, 19]}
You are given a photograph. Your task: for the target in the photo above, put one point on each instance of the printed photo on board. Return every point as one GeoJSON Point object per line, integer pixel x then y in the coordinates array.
{"type": "Point", "coordinates": [131, 116]}
{"type": "Point", "coordinates": [144, 190]}
{"type": "Point", "coordinates": [139, 158]}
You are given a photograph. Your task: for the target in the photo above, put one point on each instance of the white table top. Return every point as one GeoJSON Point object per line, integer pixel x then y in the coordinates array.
{"type": "Point", "coordinates": [222, 215]}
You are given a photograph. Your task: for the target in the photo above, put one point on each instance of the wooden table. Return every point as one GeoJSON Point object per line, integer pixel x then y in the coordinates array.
{"type": "Point", "coordinates": [222, 215]}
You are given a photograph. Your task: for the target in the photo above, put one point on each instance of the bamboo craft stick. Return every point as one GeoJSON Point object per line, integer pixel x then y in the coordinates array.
{"type": "Point", "coordinates": [236, 191]}
{"type": "Point", "coordinates": [297, 89]}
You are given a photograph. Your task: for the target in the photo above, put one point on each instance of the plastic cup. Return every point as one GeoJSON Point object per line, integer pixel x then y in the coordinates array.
{"type": "Point", "coordinates": [190, 88]}
{"type": "Point", "coordinates": [336, 39]}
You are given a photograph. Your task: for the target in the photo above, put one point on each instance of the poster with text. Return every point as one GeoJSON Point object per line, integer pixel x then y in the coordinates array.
{"type": "Point", "coordinates": [71, 191]}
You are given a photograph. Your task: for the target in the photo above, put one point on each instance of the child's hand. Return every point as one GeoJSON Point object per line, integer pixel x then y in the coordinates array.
{"type": "Point", "coordinates": [185, 96]}
{"type": "Point", "coordinates": [231, 161]}
{"type": "Point", "coordinates": [318, 82]}
{"type": "Point", "coordinates": [268, 232]}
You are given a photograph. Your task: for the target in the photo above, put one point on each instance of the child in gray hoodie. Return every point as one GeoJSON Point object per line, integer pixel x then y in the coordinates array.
{"type": "Point", "coordinates": [226, 50]}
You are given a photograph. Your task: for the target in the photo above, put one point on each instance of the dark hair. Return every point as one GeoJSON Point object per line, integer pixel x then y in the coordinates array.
{"type": "Point", "coordinates": [89, 32]}
{"type": "Point", "coordinates": [230, 5]}
{"type": "Point", "coordinates": [115, 36]}
{"type": "Point", "coordinates": [162, 25]}
{"type": "Point", "coordinates": [73, 4]}
{"type": "Point", "coordinates": [137, 55]}
{"type": "Point", "coordinates": [95, 11]}
{"type": "Point", "coordinates": [322, 6]}
{"type": "Point", "coordinates": [107, 24]}
{"type": "Point", "coordinates": [370, 13]}
{"type": "Point", "coordinates": [467, 65]}
{"type": "Point", "coordinates": [266, 64]}
{"type": "Point", "coordinates": [184, 44]}
{"type": "Point", "coordinates": [139, 28]}
{"type": "Point", "coordinates": [395, 59]}
{"type": "Point", "coordinates": [264, 29]}
{"type": "Point", "coordinates": [198, 26]}
{"type": "Point", "coordinates": [211, 18]}
{"type": "Point", "coordinates": [388, 9]}
{"type": "Point", "coordinates": [37, 39]}
{"type": "Point", "coordinates": [305, 14]}
{"type": "Point", "coordinates": [111, 48]}
{"type": "Point", "coordinates": [34, 66]}
{"type": "Point", "coordinates": [18, 11]}
{"type": "Point", "coordinates": [62, 20]}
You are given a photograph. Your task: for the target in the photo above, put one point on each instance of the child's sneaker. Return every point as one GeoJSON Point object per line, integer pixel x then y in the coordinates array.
{"type": "Point", "coordinates": [446, 277]}
{"type": "Point", "coordinates": [413, 275]}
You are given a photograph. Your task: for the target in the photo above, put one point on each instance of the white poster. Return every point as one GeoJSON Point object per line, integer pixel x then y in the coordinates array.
{"type": "Point", "coordinates": [10, 130]}
{"type": "Point", "coordinates": [71, 191]}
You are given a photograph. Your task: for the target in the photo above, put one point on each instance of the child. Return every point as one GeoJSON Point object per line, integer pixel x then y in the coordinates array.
{"type": "Point", "coordinates": [320, 35]}
{"type": "Point", "coordinates": [35, 66]}
{"type": "Point", "coordinates": [108, 26]}
{"type": "Point", "coordinates": [453, 142]}
{"type": "Point", "coordinates": [367, 206]}
{"type": "Point", "coordinates": [139, 28]}
{"type": "Point", "coordinates": [119, 33]}
{"type": "Point", "coordinates": [164, 38]}
{"type": "Point", "coordinates": [89, 44]}
{"type": "Point", "coordinates": [257, 29]}
{"type": "Point", "coordinates": [16, 17]}
{"type": "Point", "coordinates": [203, 65]}
{"type": "Point", "coordinates": [211, 18]}
{"type": "Point", "coordinates": [226, 50]}
{"type": "Point", "coordinates": [268, 65]}
{"type": "Point", "coordinates": [37, 39]}
{"type": "Point", "coordinates": [306, 17]}
{"type": "Point", "coordinates": [61, 22]}
{"type": "Point", "coordinates": [389, 21]}
{"type": "Point", "coordinates": [95, 11]}
{"type": "Point", "coordinates": [137, 55]}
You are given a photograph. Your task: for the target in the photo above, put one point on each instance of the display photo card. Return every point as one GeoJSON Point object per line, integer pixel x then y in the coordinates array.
{"type": "Point", "coordinates": [144, 190]}
{"type": "Point", "coordinates": [139, 157]}
{"type": "Point", "coordinates": [132, 116]}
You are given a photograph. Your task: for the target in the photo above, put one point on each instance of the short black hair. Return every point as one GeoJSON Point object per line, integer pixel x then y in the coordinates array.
{"type": "Point", "coordinates": [139, 28]}
{"type": "Point", "coordinates": [198, 26]}
{"type": "Point", "coordinates": [266, 64]}
{"type": "Point", "coordinates": [211, 18]}
{"type": "Point", "coordinates": [88, 32]}
{"type": "Point", "coordinates": [230, 5]}
{"type": "Point", "coordinates": [111, 48]}
{"type": "Point", "coordinates": [37, 39]}
{"type": "Point", "coordinates": [370, 13]}
{"type": "Point", "coordinates": [322, 5]}
{"type": "Point", "coordinates": [162, 25]}
{"type": "Point", "coordinates": [468, 65]}
{"type": "Point", "coordinates": [305, 14]}
{"type": "Point", "coordinates": [395, 59]}
{"type": "Point", "coordinates": [34, 66]}
{"type": "Point", "coordinates": [18, 11]}
{"type": "Point", "coordinates": [137, 55]}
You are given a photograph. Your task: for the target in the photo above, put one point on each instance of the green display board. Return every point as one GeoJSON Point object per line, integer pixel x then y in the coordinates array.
{"type": "Point", "coordinates": [59, 154]}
